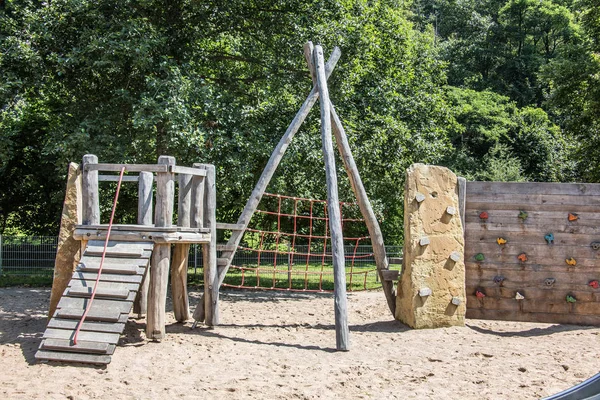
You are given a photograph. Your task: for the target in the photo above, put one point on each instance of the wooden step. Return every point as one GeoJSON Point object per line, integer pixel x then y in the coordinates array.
{"type": "Point", "coordinates": [81, 283]}
{"type": "Point", "coordinates": [106, 327]}
{"type": "Point", "coordinates": [123, 307]}
{"type": "Point", "coordinates": [114, 261]}
{"type": "Point", "coordinates": [225, 247]}
{"type": "Point", "coordinates": [100, 292]}
{"type": "Point", "coordinates": [82, 346]}
{"type": "Point", "coordinates": [106, 315]}
{"type": "Point", "coordinates": [121, 245]}
{"type": "Point", "coordinates": [230, 227]}
{"type": "Point", "coordinates": [67, 334]}
{"type": "Point", "coordinates": [46, 355]}
{"type": "Point", "coordinates": [92, 276]}
{"type": "Point", "coordinates": [395, 260]}
{"type": "Point", "coordinates": [111, 269]}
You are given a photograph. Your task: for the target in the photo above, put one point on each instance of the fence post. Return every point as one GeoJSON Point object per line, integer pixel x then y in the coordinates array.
{"type": "Point", "coordinates": [1, 254]}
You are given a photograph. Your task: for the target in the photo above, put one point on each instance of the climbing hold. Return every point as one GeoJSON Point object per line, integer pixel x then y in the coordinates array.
{"type": "Point", "coordinates": [519, 296]}
{"type": "Point", "coordinates": [571, 299]}
{"type": "Point", "coordinates": [479, 257]}
{"type": "Point", "coordinates": [522, 257]}
{"type": "Point", "coordinates": [523, 215]}
{"type": "Point", "coordinates": [455, 301]}
{"type": "Point", "coordinates": [419, 197]}
{"type": "Point", "coordinates": [455, 256]}
{"type": "Point", "coordinates": [484, 215]}
{"type": "Point", "coordinates": [424, 241]}
{"type": "Point", "coordinates": [595, 245]}
{"type": "Point", "coordinates": [451, 210]}
{"type": "Point", "coordinates": [424, 292]}
{"type": "Point", "coordinates": [501, 241]}
{"type": "Point", "coordinates": [479, 294]}
{"type": "Point", "coordinates": [571, 261]}
{"type": "Point", "coordinates": [549, 281]}
{"type": "Point", "coordinates": [573, 217]}
{"type": "Point", "coordinates": [594, 284]}
{"type": "Point", "coordinates": [549, 238]}
{"type": "Point", "coordinates": [499, 279]}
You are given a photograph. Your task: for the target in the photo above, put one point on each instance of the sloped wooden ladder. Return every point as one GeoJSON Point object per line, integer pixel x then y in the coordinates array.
{"type": "Point", "coordinates": [123, 272]}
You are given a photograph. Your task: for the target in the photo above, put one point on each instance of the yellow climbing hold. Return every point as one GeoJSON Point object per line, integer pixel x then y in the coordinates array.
{"type": "Point", "coordinates": [501, 241]}
{"type": "Point", "coordinates": [571, 261]}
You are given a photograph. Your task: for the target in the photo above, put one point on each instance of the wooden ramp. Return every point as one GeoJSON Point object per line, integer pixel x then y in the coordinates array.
{"type": "Point", "coordinates": [124, 268]}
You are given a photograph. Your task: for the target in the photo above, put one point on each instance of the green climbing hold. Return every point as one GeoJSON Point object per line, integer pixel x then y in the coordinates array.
{"type": "Point", "coordinates": [571, 299]}
{"type": "Point", "coordinates": [523, 215]}
{"type": "Point", "coordinates": [479, 257]}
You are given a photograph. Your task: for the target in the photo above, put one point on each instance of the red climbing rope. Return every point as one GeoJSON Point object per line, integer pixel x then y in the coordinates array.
{"type": "Point", "coordinates": [112, 216]}
{"type": "Point", "coordinates": [288, 247]}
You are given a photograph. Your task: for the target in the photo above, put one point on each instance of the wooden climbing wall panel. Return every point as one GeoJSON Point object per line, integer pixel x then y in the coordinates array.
{"type": "Point", "coordinates": [532, 252]}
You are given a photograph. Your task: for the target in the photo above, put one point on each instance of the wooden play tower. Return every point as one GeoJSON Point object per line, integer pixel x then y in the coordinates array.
{"type": "Point", "coordinates": [136, 261]}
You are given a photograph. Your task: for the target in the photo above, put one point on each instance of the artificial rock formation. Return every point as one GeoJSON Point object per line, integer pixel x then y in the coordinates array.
{"type": "Point", "coordinates": [68, 252]}
{"type": "Point", "coordinates": [431, 291]}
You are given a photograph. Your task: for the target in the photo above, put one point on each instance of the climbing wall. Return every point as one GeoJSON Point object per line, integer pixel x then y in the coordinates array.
{"type": "Point", "coordinates": [532, 252]}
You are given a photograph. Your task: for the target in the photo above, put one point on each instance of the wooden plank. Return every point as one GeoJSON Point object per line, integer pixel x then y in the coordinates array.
{"type": "Point", "coordinates": [531, 239]}
{"type": "Point", "coordinates": [146, 244]}
{"type": "Point", "coordinates": [97, 305]}
{"type": "Point", "coordinates": [502, 266]}
{"type": "Point", "coordinates": [231, 227]}
{"type": "Point", "coordinates": [117, 261]}
{"type": "Point", "coordinates": [572, 189]}
{"type": "Point", "coordinates": [535, 201]}
{"type": "Point", "coordinates": [112, 269]}
{"type": "Point", "coordinates": [197, 211]}
{"type": "Point", "coordinates": [533, 217]}
{"type": "Point", "coordinates": [100, 292]}
{"type": "Point", "coordinates": [115, 178]}
{"type": "Point", "coordinates": [391, 274]}
{"type": "Point", "coordinates": [114, 252]}
{"type": "Point", "coordinates": [82, 346]}
{"type": "Point", "coordinates": [97, 359]}
{"type": "Point", "coordinates": [514, 278]}
{"type": "Point", "coordinates": [145, 215]}
{"type": "Point", "coordinates": [106, 315]}
{"type": "Point", "coordinates": [558, 306]}
{"type": "Point", "coordinates": [82, 283]}
{"type": "Point", "coordinates": [174, 237]}
{"type": "Point", "coordinates": [486, 205]}
{"type": "Point", "coordinates": [176, 169]}
{"type": "Point", "coordinates": [504, 315]}
{"type": "Point", "coordinates": [92, 276]}
{"type": "Point", "coordinates": [117, 247]}
{"type": "Point", "coordinates": [179, 263]}
{"type": "Point", "coordinates": [209, 250]}
{"type": "Point", "coordinates": [67, 334]}
{"type": "Point", "coordinates": [335, 222]}
{"type": "Point", "coordinates": [530, 228]}
{"type": "Point", "coordinates": [128, 167]}
{"type": "Point", "coordinates": [89, 186]}
{"type": "Point", "coordinates": [535, 294]}
{"type": "Point", "coordinates": [224, 247]}
{"type": "Point", "coordinates": [396, 260]}
{"type": "Point", "coordinates": [89, 326]}
{"type": "Point", "coordinates": [536, 259]}
{"type": "Point", "coordinates": [462, 199]}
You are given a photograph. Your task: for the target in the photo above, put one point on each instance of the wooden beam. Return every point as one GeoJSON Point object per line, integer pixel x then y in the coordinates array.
{"type": "Point", "coordinates": [159, 264]}
{"type": "Point", "coordinates": [335, 222]}
{"type": "Point", "coordinates": [115, 178]}
{"type": "Point", "coordinates": [91, 203]}
{"type": "Point", "coordinates": [145, 208]}
{"type": "Point", "coordinates": [128, 167]}
{"type": "Point", "coordinates": [176, 169]}
{"type": "Point", "coordinates": [181, 251]}
{"type": "Point", "coordinates": [462, 201]}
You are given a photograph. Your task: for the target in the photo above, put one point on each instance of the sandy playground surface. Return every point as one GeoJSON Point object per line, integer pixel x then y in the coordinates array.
{"type": "Point", "coordinates": [279, 345]}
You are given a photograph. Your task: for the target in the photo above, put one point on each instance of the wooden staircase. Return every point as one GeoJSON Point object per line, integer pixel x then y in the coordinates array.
{"type": "Point", "coordinates": [124, 269]}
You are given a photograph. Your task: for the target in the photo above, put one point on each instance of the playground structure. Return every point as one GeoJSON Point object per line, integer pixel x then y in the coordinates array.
{"type": "Point", "coordinates": [127, 248]}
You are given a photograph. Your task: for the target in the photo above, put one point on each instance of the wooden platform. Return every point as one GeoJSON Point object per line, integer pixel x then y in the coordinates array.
{"type": "Point", "coordinates": [122, 273]}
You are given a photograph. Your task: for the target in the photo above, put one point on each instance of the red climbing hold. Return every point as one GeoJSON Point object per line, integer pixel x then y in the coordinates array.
{"type": "Point", "coordinates": [484, 215]}
{"type": "Point", "coordinates": [573, 217]}
{"type": "Point", "coordinates": [522, 257]}
{"type": "Point", "coordinates": [594, 284]}
{"type": "Point", "coordinates": [479, 294]}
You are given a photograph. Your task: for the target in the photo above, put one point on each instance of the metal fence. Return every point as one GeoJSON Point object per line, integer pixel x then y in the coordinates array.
{"type": "Point", "coordinates": [34, 255]}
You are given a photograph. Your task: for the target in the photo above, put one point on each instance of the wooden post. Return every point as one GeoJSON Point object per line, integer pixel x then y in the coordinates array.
{"type": "Point", "coordinates": [365, 208]}
{"type": "Point", "coordinates": [197, 218]}
{"type": "Point", "coordinates": [159, 264]}
{"type": "Point", "coordinates": [89, 183]}
{"type": "Point", "coordinates": [271, 166]}
{"type": "Point", "coordinates": [181, 251]}
{"type": "Point", "coordinates": [209, 256]}
{"type": "Point", "coordinates": [342, 332]}
{"type": "Point", "coordinates": [145, 182]}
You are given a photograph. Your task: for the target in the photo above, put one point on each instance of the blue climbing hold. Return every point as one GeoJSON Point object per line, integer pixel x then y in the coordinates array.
{"type": "Point", "coordinates": [549, 238]}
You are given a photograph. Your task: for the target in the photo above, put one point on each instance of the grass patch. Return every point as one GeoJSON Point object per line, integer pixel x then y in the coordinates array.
{"type": "Point", "coordinates": [300, 277]}
{"type": "Point", "coordinates": [7, 280]}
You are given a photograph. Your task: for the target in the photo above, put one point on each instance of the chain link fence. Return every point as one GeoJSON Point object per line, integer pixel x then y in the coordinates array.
{"type": "Point", "coordinates": [34, 255]}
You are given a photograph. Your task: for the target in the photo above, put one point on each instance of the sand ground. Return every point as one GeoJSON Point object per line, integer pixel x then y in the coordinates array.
{"type": "Point", "coordinates": [280, 345]}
